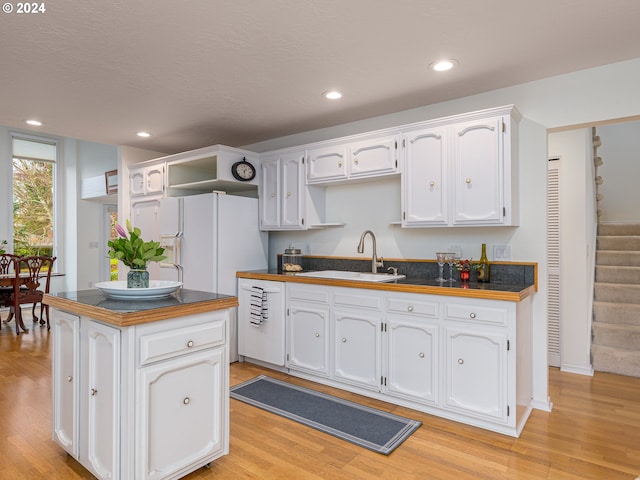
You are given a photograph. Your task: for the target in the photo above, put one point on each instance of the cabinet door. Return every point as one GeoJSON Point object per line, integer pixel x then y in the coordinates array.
{"type": "Point", "coordinates": [266, 341]}
{"type": "Point", "coordinates": [102, 394]}
{"type": "Point", "coordinates": [181, 408]}
{"type": "Point", "coordinates": [425, 179]}
{"type": "Point", "coordinates": [154, 180]}
{"type": "Point", "coordinates": [357, 348]}
{"type": "Point", "coordinates": [374, 157]}
{"type": "Point", "coordinates": [308, 338]}
{"type": "Point", "coordinates": [327, 164]}
{"type": "Point", "coordinates": [476, 372]}
{"type": "Point", "coordinates": [478, 172]}
{"type": "Point", "coordinates": [66, 351]}
{"type": "Point", "coordinates": [292, 203]}
{"type": "Point", "coordinates": [136, 182]}
{"type": "Point", "coordinates": [269, 196]}
{"type": "Point", "coordinates": [412, 362]}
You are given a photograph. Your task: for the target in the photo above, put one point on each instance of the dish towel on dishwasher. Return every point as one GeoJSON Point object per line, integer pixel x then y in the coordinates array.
{"type": "Point", "coordinates": [259, 311]}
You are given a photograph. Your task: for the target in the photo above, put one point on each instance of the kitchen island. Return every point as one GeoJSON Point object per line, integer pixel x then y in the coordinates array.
{"type": "Point", "coordinates": [461, 351]}
{"type": "Point", "coordinates": [140, 387]}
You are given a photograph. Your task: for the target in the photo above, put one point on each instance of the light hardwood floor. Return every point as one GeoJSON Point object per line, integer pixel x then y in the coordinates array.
{"type": "Point", "coordinates": [593, 432]}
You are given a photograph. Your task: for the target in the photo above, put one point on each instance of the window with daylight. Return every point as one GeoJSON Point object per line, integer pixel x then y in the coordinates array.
{"type": "Point", "coordinates": [34, 162]}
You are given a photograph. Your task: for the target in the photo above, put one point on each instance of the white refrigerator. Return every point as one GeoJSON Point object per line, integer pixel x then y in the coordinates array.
{"type": "Point", "coordinates": [207, 239]}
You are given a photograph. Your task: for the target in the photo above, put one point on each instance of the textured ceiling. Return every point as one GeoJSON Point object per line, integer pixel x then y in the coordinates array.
{"type": "Point", "coordinates": [201, 72]}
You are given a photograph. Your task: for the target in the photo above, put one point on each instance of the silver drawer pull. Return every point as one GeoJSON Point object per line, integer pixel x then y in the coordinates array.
{"type": "Point", "coordinates": [317, 334]}
{"type": "Point", "coordinates": [339, 164]}
{"type": "Point", "coordinates": [355, 160]}
{"type": "Point", "coordinates": [460, 361]}
{"type": "Point", "coordinates": [472, 315]}
{"type": "Point", "coordinates": [190, 343]}
{"type": "Point", "coordinates": [468, 180]}
{"type": "Point", "coordinates": [93, 392]}
{"type": "Point", "coordinates": [186, 400]}
{"type": "Point", "coordinates": [410, 308]}
{"type": "Point", "coordinates": [344, 340]}
{"type": "Point", "coordinates": [421, 355]}
{"type": "Point", "coordinates": [69, 378]}
{"type": "Point", "coordinates": [432, 183]}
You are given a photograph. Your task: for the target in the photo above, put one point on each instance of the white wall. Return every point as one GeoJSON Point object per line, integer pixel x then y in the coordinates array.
{"type": "Point", "coordinates": [620, 152]}
{"type": "Point", "coordinates": [577, 246]}
{"type": "Point", "coordinates": [591, 95]}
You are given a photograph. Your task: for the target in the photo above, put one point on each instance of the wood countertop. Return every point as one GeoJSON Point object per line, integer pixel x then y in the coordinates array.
{"type": "Point", "coordinates": [489, 291]}
{"type": "Point", "coordinates": [124, 313]}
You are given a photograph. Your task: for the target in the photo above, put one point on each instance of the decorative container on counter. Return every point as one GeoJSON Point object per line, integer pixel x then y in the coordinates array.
{"type": "Point", "coordinates": [483, 266]}
{"type": "Point", "coordinates": [137, 278]}
{"type": "Point", "coordinates": [292, 260]}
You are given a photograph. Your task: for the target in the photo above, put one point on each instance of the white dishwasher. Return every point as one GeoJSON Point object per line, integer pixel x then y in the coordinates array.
{"type": "Point", "coordinates": [261, 316]}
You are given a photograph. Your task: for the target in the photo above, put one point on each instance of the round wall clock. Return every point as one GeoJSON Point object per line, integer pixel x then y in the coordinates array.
{"type": "Point", "coordinates": [243, 171]}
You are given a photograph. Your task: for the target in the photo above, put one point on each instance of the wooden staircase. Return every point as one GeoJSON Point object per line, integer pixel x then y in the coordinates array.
{"type": "Point", "coordinates": [615, 346]}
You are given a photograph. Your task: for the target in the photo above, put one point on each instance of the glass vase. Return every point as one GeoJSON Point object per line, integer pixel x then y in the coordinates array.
{"type": "Point", "coordinates": [137, 278]}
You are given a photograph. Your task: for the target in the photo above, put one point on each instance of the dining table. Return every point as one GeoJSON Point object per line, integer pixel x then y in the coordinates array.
{"type": "Point", "coordinates": [8, 281]}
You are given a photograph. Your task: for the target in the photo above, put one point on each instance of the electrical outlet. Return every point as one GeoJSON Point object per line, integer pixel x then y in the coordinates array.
{"type": "Point", "coordinates": [501, 253]}
{"type": "Point", "coordinates": [307, 248]}
{"type": "Point", "coordinates": [457, 249]}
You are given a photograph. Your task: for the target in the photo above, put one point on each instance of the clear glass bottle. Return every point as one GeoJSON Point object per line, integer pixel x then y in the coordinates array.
{"type": "Point", "coordinates": [484, 271]}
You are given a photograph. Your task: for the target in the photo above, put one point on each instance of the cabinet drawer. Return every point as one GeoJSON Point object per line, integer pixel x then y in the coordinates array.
{"type": "Point", "coordinates": [171, 343]}
{"type": "Point", "coordinates": [476, 313]}
{"type": "Point", "coordinates": [413, 307]}
{"type": "Point", "coordinates": [308, 294]}
{"type": "Point", "coordinates": [349, 298]}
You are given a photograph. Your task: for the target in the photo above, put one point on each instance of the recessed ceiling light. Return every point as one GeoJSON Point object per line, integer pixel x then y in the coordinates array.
{"type": "Point", "coordinates": [144, 134]}
{"type": "Point", "coordinates": [35, 123]}
{"type": "Point", "coordinates": [332, 95]}
{"type": "Point", "coordinates": [443, 65]}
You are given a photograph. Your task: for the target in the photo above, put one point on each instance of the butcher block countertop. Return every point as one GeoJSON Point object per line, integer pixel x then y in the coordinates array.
{"type": "Point", "coordinates": [491, 291]}
{"type": "Point", "coordinates": [124, 313]}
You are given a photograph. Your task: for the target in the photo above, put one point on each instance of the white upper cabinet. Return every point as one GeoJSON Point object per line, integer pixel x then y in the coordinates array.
{"type": "Point", "coordinates": [146, 180]}
{"type": "Point", "coordinates": [478, 172]}
{"type": "Point", "coordinates": [353, 158]}
{"type": "Point", "coordinates": [377, 156]}
{"type": "Point", "coordinates": [462, 170]}
{"type": "Point", "coordinates": [327, 163]}
{"type": "Point", "coordinates": [282, 192]}
{"type": "Point", "coordinates": [425, 185]}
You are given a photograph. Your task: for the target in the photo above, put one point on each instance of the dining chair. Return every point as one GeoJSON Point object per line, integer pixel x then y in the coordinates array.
{"type": "Point", "coordinates": [30, 273]}
{"type": "Point", "coordinates": [6, 267]}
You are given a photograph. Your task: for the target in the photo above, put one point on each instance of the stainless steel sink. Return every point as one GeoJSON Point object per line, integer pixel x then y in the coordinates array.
{"type": "Point", "coordinates": [359, 276]}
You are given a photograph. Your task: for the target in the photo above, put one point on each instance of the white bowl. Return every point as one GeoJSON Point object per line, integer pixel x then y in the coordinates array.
{"type": "Point", "coordinates": [156, 289]}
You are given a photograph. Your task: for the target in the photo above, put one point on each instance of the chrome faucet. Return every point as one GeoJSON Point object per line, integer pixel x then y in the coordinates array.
{"type": "Point", "coordinates": [375, 263]}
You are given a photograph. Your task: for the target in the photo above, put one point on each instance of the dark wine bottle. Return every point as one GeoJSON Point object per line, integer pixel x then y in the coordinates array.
{"type": "Point", "coordinates": [484, 273]}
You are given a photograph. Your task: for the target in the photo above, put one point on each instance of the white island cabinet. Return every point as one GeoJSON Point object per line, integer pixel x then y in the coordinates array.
{"type": "Point", "coordinates": [134, 398]}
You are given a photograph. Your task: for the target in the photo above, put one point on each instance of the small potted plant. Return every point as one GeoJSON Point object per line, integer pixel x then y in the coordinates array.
{"type": "Point", "coordinates": [135, 253]}
{"type": "Point", "coordinates": [465, 267]}
{"type": "Point", "coordinates": [3, 246]}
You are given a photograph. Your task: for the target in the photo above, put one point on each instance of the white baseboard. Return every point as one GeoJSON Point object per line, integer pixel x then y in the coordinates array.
{"type": "Point", "coordinates": [579, 369]}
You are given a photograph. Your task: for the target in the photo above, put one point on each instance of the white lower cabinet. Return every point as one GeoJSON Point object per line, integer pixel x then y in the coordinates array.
{"type": "Point", "coordinates": [412, 360]}
{"type": "Point", "coordinates": [356, 348]}
{"type": "Point", "coordinates": [475, 369]}
{"type": "Point", "coordinates": [465, 359]}
{"type": "Point", "coordinates": [308, 323]}
{"type": "Point", "coordinates": [146, 401]}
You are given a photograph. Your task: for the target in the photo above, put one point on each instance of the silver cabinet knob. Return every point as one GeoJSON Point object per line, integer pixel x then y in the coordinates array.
{"type": "Point", "coordinates": [339, 164]}
{"type": "Point", "coordinates": [317, 335]}
{"type": "Point", "coordinates": [288, 194]}
{"type": "Point", "coordinates": [468, 180]}
{"type": "Point", "coordinates": [93, 392]}
{"type": "Point", "coordinates": [410, 308]}
{"type": "Point", "coordinates": [190, 343]}
{"type": "Point", "coordinates": [273, 195]}
{"type": "Point", "coordinates": [69, 378]}
{"type": "Point", "coordinates": [344, 340]}
{"type": "Point", "coordinates": [421, 355]}
{"type": "Point", "coordinates": [186, 400]}
{"type": "Point", "coordinates": [355, 160]}
{"type": "Point", "coordinates": [432, 183]}
{"type": "Point", "coordinates": [472, 315]}
{"type": "Point", "coordinates": [460, 361]}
